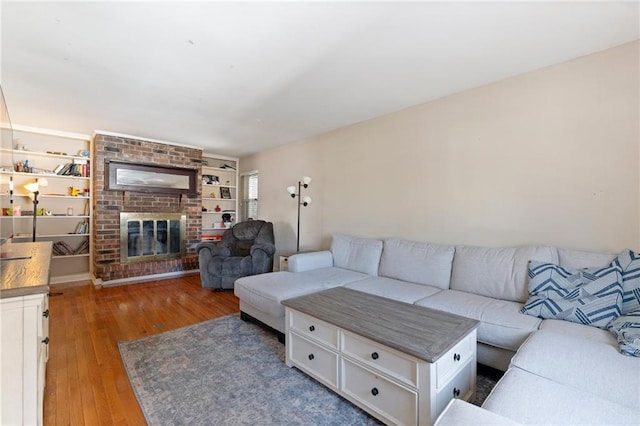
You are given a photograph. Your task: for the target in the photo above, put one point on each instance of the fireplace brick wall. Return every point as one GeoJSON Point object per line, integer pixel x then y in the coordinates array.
{"type": "Point", "coordinates": [108, 204]}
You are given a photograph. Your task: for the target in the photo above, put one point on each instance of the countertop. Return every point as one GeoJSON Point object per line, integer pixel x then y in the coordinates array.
{"type": "Point", "coordinates": [24, 268]}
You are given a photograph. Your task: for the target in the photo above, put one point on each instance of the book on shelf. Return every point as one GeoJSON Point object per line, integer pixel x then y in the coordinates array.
{"type": "Point", "coordinates": [62, 248]}
{"type": "Point", "coordinates": [82, 227]}
{"type": "Point", "coordinates": [73, 169]}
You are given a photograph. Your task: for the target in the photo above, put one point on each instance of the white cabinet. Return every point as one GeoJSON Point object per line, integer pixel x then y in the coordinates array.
{"type": "Point", "coordinates": [63, 212]}
{"type": "Point", "coordinates": [24, 342]}
{"type": "Point", "coordinates": [219, 194]}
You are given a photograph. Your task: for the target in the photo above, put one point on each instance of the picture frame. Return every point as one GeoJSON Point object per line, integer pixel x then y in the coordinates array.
{"type": "Point", "coordinates": [225, 192]}
{"type": "Point", "coordinates": [210, 180]}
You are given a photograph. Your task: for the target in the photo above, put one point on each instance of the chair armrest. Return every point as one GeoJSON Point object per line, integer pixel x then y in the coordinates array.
{"type": "Point", "coordinates": [308, 261]}
{"type": "Point", "coordinates": [214, 249]}
{"type": "Point", "coordinates": [268, 249]}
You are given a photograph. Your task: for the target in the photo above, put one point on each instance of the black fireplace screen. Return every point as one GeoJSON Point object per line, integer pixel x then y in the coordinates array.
{"type": "Point", "coordinates": [150, 236]}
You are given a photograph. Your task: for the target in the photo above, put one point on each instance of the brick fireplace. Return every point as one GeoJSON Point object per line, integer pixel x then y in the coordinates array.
{"type": "Point", "coordinates": [108, 204]}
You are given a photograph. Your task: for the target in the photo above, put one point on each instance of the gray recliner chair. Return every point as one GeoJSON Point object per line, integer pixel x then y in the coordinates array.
{"type": "Point", "coordinates": [246, 249]}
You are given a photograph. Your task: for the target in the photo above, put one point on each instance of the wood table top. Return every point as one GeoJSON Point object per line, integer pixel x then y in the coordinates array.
{"type": "Point", "coordinates": [24, 268]}
{"type": "Point", "coordinates": [422, 332]}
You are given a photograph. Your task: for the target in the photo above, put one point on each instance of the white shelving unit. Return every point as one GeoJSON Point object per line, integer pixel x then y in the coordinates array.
{"type": "Point", "coordinates": [219, 180]}
{"type": "Point", "coordinates": [61, 217]}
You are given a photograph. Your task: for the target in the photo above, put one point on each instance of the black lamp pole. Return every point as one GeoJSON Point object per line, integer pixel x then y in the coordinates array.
{"type": "Point", "coordinates": [303, 203]}
{"type": "Point", "coordinates": [35, 212]}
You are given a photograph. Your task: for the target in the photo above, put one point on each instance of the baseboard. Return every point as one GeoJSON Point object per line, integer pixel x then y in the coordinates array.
{"type": "Point", "coordinates": [144, 278]}
{"type": "Point", "coordinates": [66, 279]}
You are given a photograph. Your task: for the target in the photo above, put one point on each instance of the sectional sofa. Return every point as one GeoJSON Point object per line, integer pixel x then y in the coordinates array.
{"type": "Point", "coordinates": [557, 371]}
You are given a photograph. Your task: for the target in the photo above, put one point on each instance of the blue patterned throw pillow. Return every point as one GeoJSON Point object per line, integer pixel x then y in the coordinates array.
{"type": "Point", "coordinates": [626, 328]}
{"type": "Point", "coordinates": [628, 263]}
{"type": "Point", "coordinates": [591, 296]}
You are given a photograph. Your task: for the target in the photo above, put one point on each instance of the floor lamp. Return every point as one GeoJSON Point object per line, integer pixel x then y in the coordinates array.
{"type": "Point", "coordinates": [302, 201]}
{"type": "Point", "coordinates": [34, 188]}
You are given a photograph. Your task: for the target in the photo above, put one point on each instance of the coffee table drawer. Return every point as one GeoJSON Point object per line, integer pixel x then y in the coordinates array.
{"type": "Point", "coordinates": [314, 328]}
{"type": "Point", "coordinates": [315, 360]}
{"type": "Point", "coordinates": [392, 401]}
{"type": "Point", "coordinates": [381, 358]}
{"type": "Point", "coordinates": [458, 387]}
{"type": "Point", "coordinates": [455, 358]}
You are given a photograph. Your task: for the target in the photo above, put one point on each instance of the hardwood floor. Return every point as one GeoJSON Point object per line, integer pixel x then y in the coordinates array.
{"type": "Point", "coordinates": [86, 383]}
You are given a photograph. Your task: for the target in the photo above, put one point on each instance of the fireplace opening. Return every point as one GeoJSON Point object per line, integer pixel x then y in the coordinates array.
{"type": "Point", "coordinates": [151, 236]}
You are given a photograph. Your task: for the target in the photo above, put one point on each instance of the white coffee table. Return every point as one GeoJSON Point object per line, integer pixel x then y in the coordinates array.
{"type": "Point", "coordinates": [399, 362]}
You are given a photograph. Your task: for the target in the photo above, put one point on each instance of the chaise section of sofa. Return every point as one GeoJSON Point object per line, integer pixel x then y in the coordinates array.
{"type": "Point", "coordinates": [568, 373]}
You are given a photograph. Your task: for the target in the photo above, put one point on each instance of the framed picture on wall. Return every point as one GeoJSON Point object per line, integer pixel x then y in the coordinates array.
{"type": "Point", "coordinates": [225, 192]}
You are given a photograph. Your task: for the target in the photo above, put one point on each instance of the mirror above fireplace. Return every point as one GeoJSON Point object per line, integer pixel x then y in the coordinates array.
{"type": "Point", "coordinates": [124, 176]}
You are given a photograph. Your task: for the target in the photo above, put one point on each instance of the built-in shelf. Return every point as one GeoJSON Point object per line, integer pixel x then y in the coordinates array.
{"type": "Point", "coordinates": [45, 151]}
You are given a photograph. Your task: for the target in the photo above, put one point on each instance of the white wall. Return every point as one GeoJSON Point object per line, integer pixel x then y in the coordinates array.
{"type": "Point", "coordinates": [548, 157]}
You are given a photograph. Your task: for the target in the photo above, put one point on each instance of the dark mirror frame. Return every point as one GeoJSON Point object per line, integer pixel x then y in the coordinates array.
{"type": "Point", "coordinates": [112, 167]}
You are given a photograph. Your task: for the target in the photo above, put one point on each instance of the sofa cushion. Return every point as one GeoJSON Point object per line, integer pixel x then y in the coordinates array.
{"type": "Point", "coordinates": [628, 262]}
{"type": "Point", "coordinates": [587, 296]}
{"type": "Point", "coordinates": [356, 254]}
{"type": "Point", "coordinates": [417, 262]}
{"type": "Point", "coordinates": [266, 291]}
{"type": "Point", "coordinates": [530, 399]}
{"type": "Point", "coordinates": [578, 330]}
{"type": "Point", "coordinates": [393, 289]}
{"type": "Point", "coordinates": [626, 328]}
{"type": "Point", "coordinates": [500, 273]}
{"type": "Point", "coordinates": [580, 363]}
{"type": "Point", "coordinates": [501, 323]}
{"type": "Point", "coordinates": [460, 412]}
{"type": "Point", "coordinates": [579, 259]}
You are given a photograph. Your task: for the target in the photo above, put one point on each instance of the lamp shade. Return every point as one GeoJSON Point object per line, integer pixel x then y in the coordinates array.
{"type": "Point", "coordinates": [306, 180]}
{"type": "Point", "coordinates": [35, 186]}
{"type": "Point", "coordinates": [291, 190]}
{"type": "Point", "coordinates": [32, 187]}
{"type": "Point", "coordinates": [306, 200]}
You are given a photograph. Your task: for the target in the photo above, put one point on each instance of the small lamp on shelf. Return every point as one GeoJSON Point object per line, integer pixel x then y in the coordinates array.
{"type": "Point", "coordinates": [302, 201]}
{"type": "Point", "coordinates": [34, 189]}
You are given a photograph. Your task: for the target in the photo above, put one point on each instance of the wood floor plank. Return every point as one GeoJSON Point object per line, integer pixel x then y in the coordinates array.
{"type": "Point", "coordinates": [86, 382]}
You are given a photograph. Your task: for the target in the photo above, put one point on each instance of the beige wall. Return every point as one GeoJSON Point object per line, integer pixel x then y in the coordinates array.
{"type": "Point", "coordinates": [548, 157]}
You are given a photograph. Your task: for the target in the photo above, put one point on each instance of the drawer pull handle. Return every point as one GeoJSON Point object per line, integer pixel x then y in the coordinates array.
{"type": "Point", "coordinates": [456, 357]}
{"type": "Point", "coordinates": [46, 341]}
{"type": "Point", "coordinates": [311, 357]}
{"type": "Point", "coordinates": [374, 391]}
{"type": "Point", "coordinates": [375, 355]}
{"type": "Point", "coordinates": [46, 314]}
{"type": "Point", "coordinates": [456, 392]}
{"type": "Point", "coordinates": [312, 328]}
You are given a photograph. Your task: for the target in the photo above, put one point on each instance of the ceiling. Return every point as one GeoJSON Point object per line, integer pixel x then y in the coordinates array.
{"type": "Point", "coordinates": [235, 78]}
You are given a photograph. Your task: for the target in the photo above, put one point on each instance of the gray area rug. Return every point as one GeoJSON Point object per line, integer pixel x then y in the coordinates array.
{"type": "Point", "coordinates": [229, 372]}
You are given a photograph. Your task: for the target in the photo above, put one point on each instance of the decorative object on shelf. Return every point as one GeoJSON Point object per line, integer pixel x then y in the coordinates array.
{"type": "Point", "coordinates": [34, 189]}
{"type": "Point", "coordinates": [302, 201]}
{"type": "Point", "coordinates": [73, 191]}
{"type": "Point", "coordinates": [204, 209]}
{"type": "Point", "coordinates": [225, 192]}
{"type": "Point", "coordinates": [217, 208]}
{"type": "Point", "coordinates": [227, 220]}
{"type": "Point", "coordinates": [212, 195]}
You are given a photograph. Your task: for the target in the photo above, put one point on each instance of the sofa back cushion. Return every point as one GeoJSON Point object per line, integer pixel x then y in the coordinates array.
{"type": "Point", "coordinates": [578, 259]}
{"type": "Point", "coordinates": [356, 254]}
{"type": "Point", "coordinates": [417, 262]}
{"type": "Point", "coordinates": [500, 273]}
